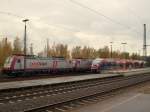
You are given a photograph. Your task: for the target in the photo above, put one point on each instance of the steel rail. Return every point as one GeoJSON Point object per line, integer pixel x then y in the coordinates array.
{"type": "Point", "coordinates": [55, 90]}
{"type": "Point", "coordinates": [75, 90]}
{"type": "Point", "coordinates": [128, 81]}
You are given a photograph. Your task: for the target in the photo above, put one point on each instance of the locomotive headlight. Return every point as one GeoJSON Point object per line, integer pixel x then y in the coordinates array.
{"type": "Point", "coordinates": [95, 65]}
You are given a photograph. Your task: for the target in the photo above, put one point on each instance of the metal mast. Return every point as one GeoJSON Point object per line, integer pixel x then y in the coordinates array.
{"type": "Point", "coordinates": [144, 43]}
{"type": "Point", "coordinates": [124, 49]}
{"type": "Point", "coordinates": [25, 43]}
{"type": "Point", "coordinates": [47, 48]}
{"type": "Point", "coordinates": [111, 52]}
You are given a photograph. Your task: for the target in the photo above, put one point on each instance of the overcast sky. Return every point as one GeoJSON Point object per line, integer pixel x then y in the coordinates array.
{"type": "Point", "coordinates": [71, 22]}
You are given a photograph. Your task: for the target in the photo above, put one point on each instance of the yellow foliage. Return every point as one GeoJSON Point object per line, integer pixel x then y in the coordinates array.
{"type": "Point", "coordinates": [5, 50]}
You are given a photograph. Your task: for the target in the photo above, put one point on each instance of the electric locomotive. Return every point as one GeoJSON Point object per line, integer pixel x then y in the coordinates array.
{"type": "Point", "coordinates": [14, 65]}
{"type": "Point", "coordinates": [101, 64]}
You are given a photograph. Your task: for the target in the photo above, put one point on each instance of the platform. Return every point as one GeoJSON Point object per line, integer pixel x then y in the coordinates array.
{"type": "Point", "coordinates": [133, 103]}
{"type": "Point", "coordinates": [49, 81]}
{"type": "Point", "coordinates": [138, 103]}
{"type": "Point", "coordinates": [135, 99]}
{"type": "Point", "coordinates": [137, 71]}
{"type": "Point", "coordinates": [131, 71]}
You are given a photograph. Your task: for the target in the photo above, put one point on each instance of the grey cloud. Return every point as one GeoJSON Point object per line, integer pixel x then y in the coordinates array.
{"type": "Point", "coordinates": [65, 22]}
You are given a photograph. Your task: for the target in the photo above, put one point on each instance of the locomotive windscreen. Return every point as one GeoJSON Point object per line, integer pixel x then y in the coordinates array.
{"type": "Point", "coordinates": [8, 62]}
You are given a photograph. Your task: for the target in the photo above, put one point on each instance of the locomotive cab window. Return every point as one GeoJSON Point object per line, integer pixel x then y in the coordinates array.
{"type": "Point", "coordinates": [8, 60]}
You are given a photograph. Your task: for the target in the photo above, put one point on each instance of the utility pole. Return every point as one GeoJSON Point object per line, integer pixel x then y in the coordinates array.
{"type": "Point", "coordinates": [144, 43]}
{"type": "Point", "coordinates": [111, 49]}
{"type": "Point", "coordinates": [25, 43]}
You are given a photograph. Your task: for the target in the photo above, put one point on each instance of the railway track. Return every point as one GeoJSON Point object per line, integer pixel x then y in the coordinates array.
{"type": "Point", "coordinates": [31, 93]}
{"type": "Point", "coordinates": [86, 101]}
{"type": "Point", "coordinates": [83, 100]}
{"type": "Point", "coordinates": [62, 93]}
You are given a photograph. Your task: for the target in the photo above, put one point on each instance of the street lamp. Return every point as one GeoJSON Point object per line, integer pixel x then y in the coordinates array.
{"type": "Point", "coordinates": [25, 43]}
{"type": "Point", "coordinates": [111, 49]}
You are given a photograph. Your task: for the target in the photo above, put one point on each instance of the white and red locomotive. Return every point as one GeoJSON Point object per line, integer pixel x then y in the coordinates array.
{"type": "Point", "coordinates": [15, 64]}
{"type": "Point", "coordinates": [100, 64]}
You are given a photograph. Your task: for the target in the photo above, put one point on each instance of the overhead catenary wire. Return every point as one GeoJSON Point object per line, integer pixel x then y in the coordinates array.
{"type": "Point", "coordinates": [99, 13]}
{"type": "Point", "coordinates": [11, 14]}
{"type": "Point", "coordinates": [135, 15]}
{"type": "Point", "coordinates": [30, 24]}
{"type": "Point", "coordinates": [72, 29]}
{"type": "Point", "coordinates": [52, 26]}
{"type": "Point", "coordinates": [138, 18]}
{"type": "Point", "coordinates": [84, 6]}
{"type": "Point", "coordinates": [102, 15]}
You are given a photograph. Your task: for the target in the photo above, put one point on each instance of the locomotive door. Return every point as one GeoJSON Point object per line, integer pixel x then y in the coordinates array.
{"type": "Point", "coordinates": [77, 65]}
{"type": "Point", "coordinates": [54, 65]}
{"type": "Point", "coordinates": [19, 64]}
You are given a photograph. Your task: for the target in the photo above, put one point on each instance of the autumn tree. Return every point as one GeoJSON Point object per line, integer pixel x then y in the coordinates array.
{"type": "Point", "coordinates": [104, 52]}
{"type": "Point", "coordinates": [88, 52]}
{"type": "Point", "coordinates": [76, 52]}
{"type": "Point", "coordinates": [59, 50]}
{"type": "Point", "coordinates": [135, 56]}
{"type": "Point", "coordinates": [1, 54]}
{"type": "Point", "coordinates": [62, 50]}
{"type": "Point", "coordinates": [5, 50]}
{"type": "Point", "coordinates": [116, 54]}
{"type": "Point", "coordinates": [85, 52]}
{"type": "Point", "coordinates": [125, 55]}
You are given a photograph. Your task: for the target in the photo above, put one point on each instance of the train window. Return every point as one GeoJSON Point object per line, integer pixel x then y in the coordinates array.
{"type": "Point", "coordinates": [18, 61]}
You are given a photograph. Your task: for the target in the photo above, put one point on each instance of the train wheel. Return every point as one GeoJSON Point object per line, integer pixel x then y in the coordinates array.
{"type": "Point", "coordinates": [98, 71]}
